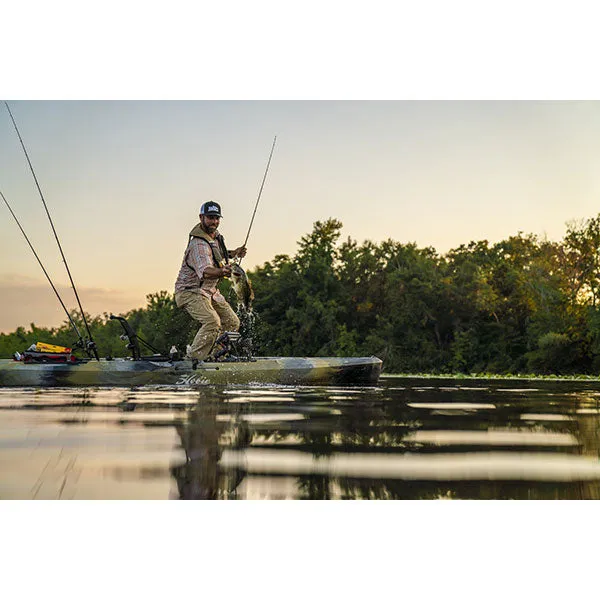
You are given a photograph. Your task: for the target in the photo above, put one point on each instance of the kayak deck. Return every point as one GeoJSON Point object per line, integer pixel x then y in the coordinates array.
{"type": "Point", "coordinates": [129, 372]}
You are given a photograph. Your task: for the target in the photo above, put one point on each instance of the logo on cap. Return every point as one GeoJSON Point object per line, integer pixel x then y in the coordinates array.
{"type": "Point", "coordinates": [210, 207]}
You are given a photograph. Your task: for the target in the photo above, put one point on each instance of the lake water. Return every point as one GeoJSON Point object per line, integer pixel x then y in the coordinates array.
{"type": "Point", "coordinates": [404, 439]}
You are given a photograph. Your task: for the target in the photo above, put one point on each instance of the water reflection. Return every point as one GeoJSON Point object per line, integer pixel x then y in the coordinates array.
{"type": "Point", "coordinates": [405, 439]}
{"type": "Point", "coordinates": [203, 435]}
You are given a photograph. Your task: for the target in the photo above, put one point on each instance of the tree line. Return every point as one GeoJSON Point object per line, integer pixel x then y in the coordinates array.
{"type": "Point", "coordinates": [522, 305]}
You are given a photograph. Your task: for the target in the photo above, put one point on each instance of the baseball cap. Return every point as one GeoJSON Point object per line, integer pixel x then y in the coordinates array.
{"type": "Point", "coordinates": [211, 209]}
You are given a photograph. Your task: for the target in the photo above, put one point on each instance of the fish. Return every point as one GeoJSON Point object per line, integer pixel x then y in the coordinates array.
{"type": "Point", "coordinates": [242, 287]}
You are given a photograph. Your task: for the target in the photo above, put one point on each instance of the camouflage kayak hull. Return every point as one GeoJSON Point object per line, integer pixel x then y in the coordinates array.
{"type": "Point", "coordinates": [128, 372]}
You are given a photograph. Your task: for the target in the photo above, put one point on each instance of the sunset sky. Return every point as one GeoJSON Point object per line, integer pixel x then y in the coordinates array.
{"type": "Point", "coordinates": [124, 180]}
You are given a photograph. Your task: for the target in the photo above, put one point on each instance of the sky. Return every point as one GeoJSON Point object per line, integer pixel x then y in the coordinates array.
{"type": "Point", "coordinates": [124, 180]}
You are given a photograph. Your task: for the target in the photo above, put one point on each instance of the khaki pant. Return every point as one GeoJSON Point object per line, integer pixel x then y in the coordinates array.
{"type": "Point", "coordinates": [214, 317]}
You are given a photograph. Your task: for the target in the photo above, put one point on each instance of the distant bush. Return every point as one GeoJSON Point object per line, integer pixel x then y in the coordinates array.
{"type": "Point", "coordinates": [556, 354]}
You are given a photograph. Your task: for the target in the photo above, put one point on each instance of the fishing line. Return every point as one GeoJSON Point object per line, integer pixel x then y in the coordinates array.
{"type": "Point", "coordinates": [259, 194]}
{"type": "Point", "coordinates": [41, 265]}
{"type": "Point", "coordinates": [91, 343]}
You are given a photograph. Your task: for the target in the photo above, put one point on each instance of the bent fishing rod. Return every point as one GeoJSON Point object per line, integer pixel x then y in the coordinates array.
{"type": "Point", "coordinates": [90, 345]}
{"type": "Point", "coordinates": [259, 194]}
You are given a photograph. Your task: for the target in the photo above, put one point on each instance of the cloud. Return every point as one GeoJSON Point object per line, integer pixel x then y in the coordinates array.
{"type": "Point", "coordinates": [25, 300]}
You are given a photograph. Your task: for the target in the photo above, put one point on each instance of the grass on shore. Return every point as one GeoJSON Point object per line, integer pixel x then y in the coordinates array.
{"type": "Point", "coordinates": [508, 377]}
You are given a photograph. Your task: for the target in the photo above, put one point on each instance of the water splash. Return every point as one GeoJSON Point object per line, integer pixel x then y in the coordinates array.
{"type": "Point", "coordinates": [248, 320]}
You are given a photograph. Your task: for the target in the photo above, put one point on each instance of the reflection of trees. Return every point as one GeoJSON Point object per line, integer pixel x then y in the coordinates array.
{"type": "Point", "coordinates": [588, 434]}
{"type": "Point", "coordinates": [585, 428]}
{"type": "Point", "coordinates": [376, 427]}
{"type": "Point", "coordinates": [362, 427]}
{"type": "Point", "coordinates": [465, 490]}
{"type": "Point", "coordinates": [314, 487]}
{"type": "Point", "coordinates": [366, 424]}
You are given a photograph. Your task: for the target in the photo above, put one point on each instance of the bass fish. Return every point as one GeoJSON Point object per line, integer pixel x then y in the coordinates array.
{"type": "Point", "coordinates": [242, 286]}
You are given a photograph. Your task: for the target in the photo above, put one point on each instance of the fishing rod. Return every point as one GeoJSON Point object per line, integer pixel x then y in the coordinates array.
{"type": "Point", "coordinates": [90, 345]}
{"type": "Point", "coordinates": [41, 265]}
{"type": "Point", "coordinates": [259, 194]}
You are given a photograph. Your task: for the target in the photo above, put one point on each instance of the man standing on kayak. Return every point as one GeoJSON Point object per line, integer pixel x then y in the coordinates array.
{"type": "Point", "coordinates": [205, 262]}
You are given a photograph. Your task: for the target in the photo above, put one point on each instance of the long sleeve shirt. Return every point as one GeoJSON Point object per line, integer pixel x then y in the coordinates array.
{"type": "Point", "coordinates": [198, 255]}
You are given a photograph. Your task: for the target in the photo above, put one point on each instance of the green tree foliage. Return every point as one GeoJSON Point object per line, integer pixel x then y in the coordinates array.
{"type": "Point", "coordinates": [298, 298]}
{"type": "Point", "coordinates": [521, 305]}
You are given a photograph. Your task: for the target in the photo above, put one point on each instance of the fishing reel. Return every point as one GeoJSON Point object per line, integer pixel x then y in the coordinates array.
{"type": "Point", "coordinates": [88, 346]}
{"type": "Point", "coordinates": [226, 344]}
{"type": "Point", "coordinates": [230, 347]}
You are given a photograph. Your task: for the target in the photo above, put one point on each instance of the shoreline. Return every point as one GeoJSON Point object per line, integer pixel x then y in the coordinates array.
{"type": "Point", "coordinates": [489, 376]}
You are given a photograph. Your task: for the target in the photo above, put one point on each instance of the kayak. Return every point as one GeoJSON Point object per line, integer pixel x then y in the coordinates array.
{"type": "Point", "coordinates": [48, 365]}
{"type": "Point", "coordinates": [147, 371]}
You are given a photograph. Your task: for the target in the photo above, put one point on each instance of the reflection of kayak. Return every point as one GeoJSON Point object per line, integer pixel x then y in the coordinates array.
{"type": "Point", "coordinates": [145, 371]}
